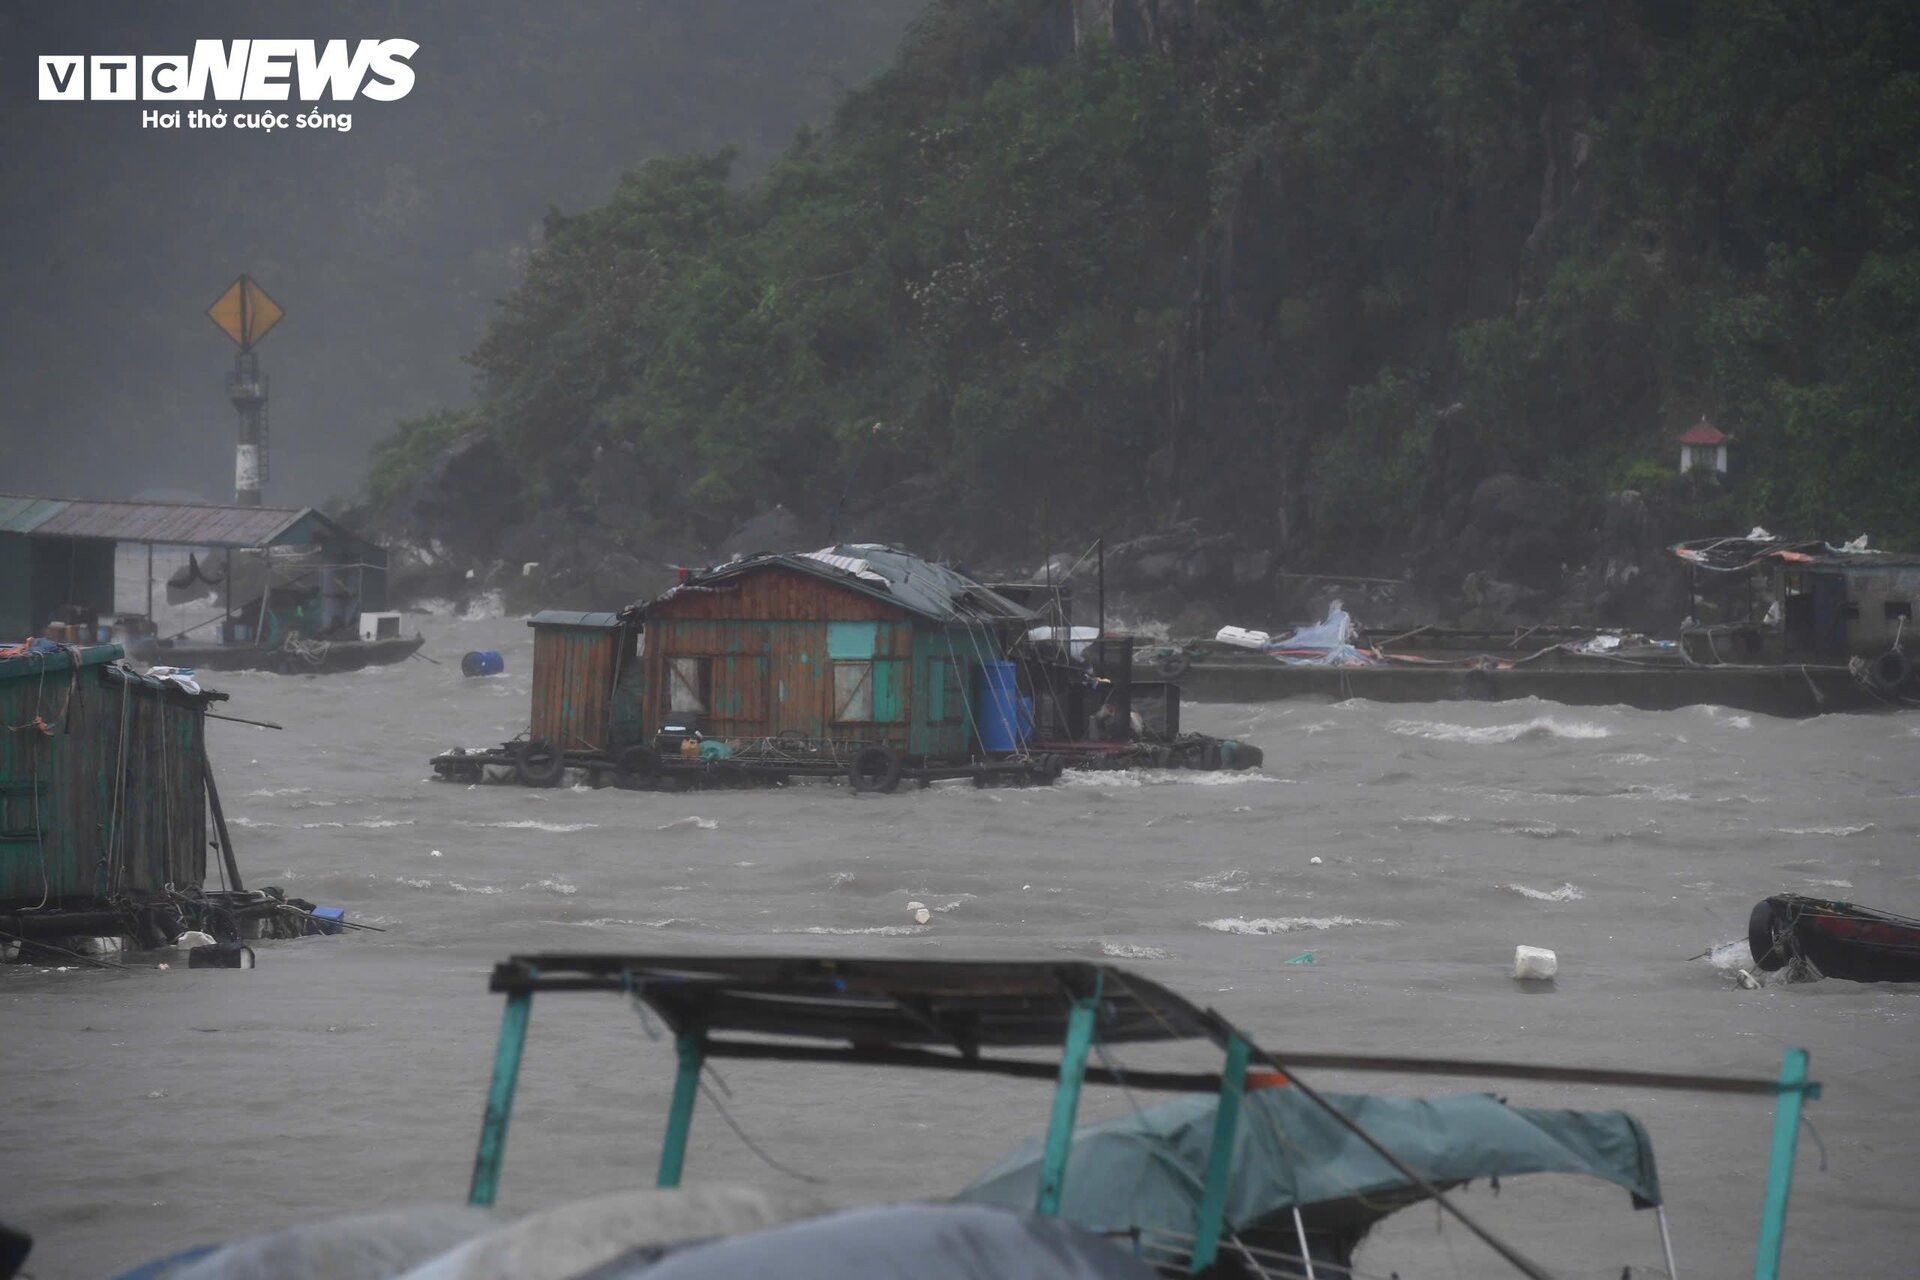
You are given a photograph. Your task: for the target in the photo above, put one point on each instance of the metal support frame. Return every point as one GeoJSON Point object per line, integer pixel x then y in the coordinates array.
{"type": "Point", "coordinates": [506, 1077]}
{"type": "Point", "coordinates": [1666, 1240]}
{"type": "Point", "coordinates": [1794, 1090]}
{"type": "Point", "coordinates": [690, 1047]}
{"type": "Point", "coordinates": [1066, 1104]}
{"type": "Point", "coordinates": [1306, 1254]}
{"type": "Point", "coordinates": [1213, 1192]}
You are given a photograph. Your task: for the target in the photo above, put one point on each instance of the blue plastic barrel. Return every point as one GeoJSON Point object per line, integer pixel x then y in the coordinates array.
{"type": "Point", "coordinates": [1004, 722]}
{"type": "Point", "coordinates": [483, 662]}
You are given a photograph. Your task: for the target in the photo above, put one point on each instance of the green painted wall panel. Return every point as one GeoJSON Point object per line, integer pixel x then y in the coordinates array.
{"type": "Point", "coordinates": [112, 801]}
{"type": "Point", "coordinates": [851, 641]}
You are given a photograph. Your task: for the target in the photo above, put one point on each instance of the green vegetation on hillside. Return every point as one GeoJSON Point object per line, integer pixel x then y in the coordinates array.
{"type": "Point", "coordinates": [1303, 268]}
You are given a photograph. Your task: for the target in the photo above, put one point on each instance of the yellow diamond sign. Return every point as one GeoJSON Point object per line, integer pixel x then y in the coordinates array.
{"type": "Point", "coordinates": [245, 312]}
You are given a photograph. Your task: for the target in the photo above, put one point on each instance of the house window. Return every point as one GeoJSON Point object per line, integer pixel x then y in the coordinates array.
{"type": "Point", "coordinates": [689, 685]}
{"type": "Point", "coordinates": [853, 692]}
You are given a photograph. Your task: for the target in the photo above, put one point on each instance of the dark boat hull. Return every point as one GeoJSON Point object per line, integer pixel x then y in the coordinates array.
{"type": "Point", "coordinates": [316, 657]}
{"type": "Point", "coordinates": [1837, 938]}
{"type": "Point", "coordinates": [1776, 691]}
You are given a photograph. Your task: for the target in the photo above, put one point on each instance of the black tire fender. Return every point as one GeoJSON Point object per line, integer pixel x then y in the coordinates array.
{"type": "Point", "coordinates": [1171, 666]}
{"type": "Point", "coordinates": [874, 769]}
{"type": "Point", "coordinates": [1761, 938]}
{"type": "Point", "coordinates": [538, 763]}
{"type": "Point", "coordinates": [1891, 671]}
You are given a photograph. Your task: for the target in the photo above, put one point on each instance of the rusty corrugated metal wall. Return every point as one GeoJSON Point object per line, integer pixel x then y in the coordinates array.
{"type": "Point", "coordinates": [111, 803]}
{"type": "Point", "coordinates": [574, 669]}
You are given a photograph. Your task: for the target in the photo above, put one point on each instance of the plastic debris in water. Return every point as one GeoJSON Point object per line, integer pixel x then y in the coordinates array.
{"type": "Point", "coordinates": [1534, 964]}
{"type": "Point", "coordinates": [1305, 957]}
{"type": "Point", "coordinates": [1314, 861]}
{"type": "Point", "coordinates": [1746, 980]}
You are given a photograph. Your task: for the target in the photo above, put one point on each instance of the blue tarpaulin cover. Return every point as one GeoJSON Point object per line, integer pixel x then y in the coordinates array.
{"type": "Point", "coordinates": [1145, 1169]}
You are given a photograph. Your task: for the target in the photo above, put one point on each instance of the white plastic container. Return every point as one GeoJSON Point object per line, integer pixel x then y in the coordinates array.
{"type": "Point", "coordinates": [1534, 964]}
{"type": "Point", "coordinates": [1242, 637]}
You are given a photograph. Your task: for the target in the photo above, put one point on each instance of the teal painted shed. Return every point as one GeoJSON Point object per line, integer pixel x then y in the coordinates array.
{"type": "Point", "coordinates": [102, 782]}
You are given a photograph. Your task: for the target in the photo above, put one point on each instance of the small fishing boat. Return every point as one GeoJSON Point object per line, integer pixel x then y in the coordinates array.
{"type": "Point", "coordinates": [1838, 939]}
{"type": "Point", "coordinates": [1251, 1174]}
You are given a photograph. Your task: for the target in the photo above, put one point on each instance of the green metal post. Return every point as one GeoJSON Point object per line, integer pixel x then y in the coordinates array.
{"type": "Point", "coordinates": [1066, 1104]}
{"type": "Point", "coordinates": [691, 1048]}
{"type": "Point", "coordinates": [1208, 1218]}
{"type": "Point", "coordinates": [506, 1077]}
{"type": "Point", "coordinates": [1795, 1089]}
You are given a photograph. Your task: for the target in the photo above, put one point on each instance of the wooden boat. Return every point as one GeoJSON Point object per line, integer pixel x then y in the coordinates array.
{"type": "Point", "coordinates": [1838, 939]}
{"type": "Point", "coordinates": [295, 656]}
{"type": "Point", "coordinates": [963, 1017]}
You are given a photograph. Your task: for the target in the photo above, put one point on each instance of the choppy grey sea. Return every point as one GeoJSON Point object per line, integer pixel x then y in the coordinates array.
{"type": "Point", "coordinates": [148, 1110]}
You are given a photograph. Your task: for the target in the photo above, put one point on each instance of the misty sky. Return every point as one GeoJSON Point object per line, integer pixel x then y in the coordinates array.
{"type": "Point", "coordinates": [386, 245]}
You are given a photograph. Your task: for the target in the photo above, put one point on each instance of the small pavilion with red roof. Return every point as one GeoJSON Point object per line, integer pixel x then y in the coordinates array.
{"type": "Point", "coordinates": [1703, 448]}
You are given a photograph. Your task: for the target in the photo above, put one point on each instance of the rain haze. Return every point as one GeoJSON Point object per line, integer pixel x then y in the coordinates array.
{"type": "Point", "coordinates": [1392, 521]}
{"type": "Point", "coordinates": [388, 245]}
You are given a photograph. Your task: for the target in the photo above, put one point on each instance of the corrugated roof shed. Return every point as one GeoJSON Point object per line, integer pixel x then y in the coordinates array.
{"type": "Point", "coordinates": [175, 523]}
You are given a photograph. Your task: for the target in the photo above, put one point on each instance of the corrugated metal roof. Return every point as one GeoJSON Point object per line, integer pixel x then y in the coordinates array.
{"type": "Point", "coordinates": [169, 522]}
{"type": "Point", "coordinates": [928, 589]}
{"type": "Point", "coordinates": [21, 514]}
{"type": "Point", "coordinates": [568, 618]}
{"type": "Point", "coordinates": [177, 523]}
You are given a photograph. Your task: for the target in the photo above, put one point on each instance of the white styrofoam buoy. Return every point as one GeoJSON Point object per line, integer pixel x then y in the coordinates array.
{"type": "Point", "coordinates": [193, 938]}
{"type": "Point", "coordinates": [1746, 980]}
{"type": "Point", "coordinates": [1534, 964]}
{"type": "Point", "coordinates": [1314, 861]}
{"type": "Point", "coordinates": [922, 916]}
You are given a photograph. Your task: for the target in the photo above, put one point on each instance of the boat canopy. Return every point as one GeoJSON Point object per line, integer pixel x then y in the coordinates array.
{"type": "Point", "coordinates": [875, 1005]}
{"type": "Point", "coordinates": [1145, 1170]}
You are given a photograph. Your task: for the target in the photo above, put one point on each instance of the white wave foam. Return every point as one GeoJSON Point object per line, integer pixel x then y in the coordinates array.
{"type": "Point", "coordinates": [530, 824]}
{"type": "Point", "coordinates": [1565, 893]}
{"type": "Point", "coordinates": [1534, 730]}
{"type": "Point", "coordinates": [839, 879]}
{"type": "Point", "coordinates": [1730, 955]}
{"type": "Point", "coordinates": [1859, 830]}
{"type": "Point", "coordinates": [474, 888]}
{"type": "Point", "coordinates": [1109, 779]}
{"type": "Point", "coordinates": [692, 822]}
{"type": "Point", "coordinates": [1133, 951]}
{"type": "Point", "coordinates": [382, 823]}
{"type": "Point", "coordinates": [1833, 884]}
{"type": "Point", "coordinates": [879, 931]}
{"type": "Point", "coordinates": [280, 791]}
{"type": "Point", "coordinates": [1436, 820]}
{"type": "Point", "coordinates": [313, 826]}
{"type": "Point", "coordinates": [1628, 758]}
{"type": "Point", "coordinates": [1221, 882]}
{"type": "Point", "coordinates": [413, 884]}
{"type": "Point", "coordinates": [1288, 924]}
{"type": "Point", "coordinates": [560, 887]}
{"type": "Point", "coordinates": [676, 922]}
{"type": "Point", "coordinates": [243, 821]}
{"type": "Point", "coordinates": [1538, 830]}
